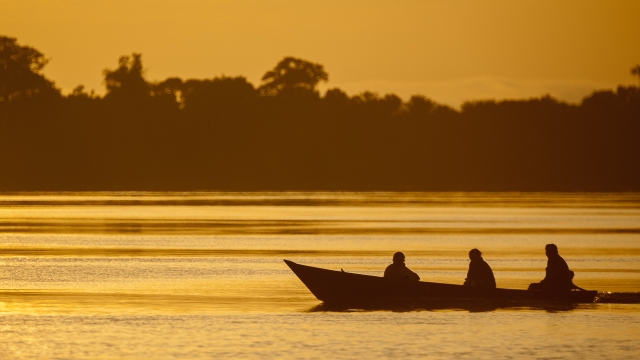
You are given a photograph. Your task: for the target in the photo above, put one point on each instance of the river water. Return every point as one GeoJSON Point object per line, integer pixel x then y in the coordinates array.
{"type": "Point", "coordinates": [200, 275]}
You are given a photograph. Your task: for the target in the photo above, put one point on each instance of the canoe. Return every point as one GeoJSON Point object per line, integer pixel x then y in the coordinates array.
{"type": "Point", "coordinates": [332, 286]}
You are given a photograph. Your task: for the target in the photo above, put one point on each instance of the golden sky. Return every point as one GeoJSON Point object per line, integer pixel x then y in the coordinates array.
{"type": "Point", "coordinates": [448, 50]}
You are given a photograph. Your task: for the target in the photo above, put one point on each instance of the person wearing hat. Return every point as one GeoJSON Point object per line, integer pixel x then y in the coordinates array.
{"type": "Point", "coordinates": [398, 270]}
{"type": "Point", "coordinates": [480, 273]}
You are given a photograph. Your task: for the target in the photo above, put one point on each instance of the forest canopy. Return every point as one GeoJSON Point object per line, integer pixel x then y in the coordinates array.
{"type": "Point", "coordinates": [224, 133]}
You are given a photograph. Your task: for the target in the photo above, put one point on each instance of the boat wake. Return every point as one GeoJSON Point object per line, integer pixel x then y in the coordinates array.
{"type": "Point", "coordinates": [618, 298]}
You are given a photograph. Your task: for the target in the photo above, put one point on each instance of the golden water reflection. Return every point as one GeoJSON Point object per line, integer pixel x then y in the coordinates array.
{"type": "Point", "coordinates": [197, 253]}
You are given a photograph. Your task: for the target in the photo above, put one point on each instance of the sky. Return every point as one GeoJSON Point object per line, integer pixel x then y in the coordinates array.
{"type": "Point", "coordinates": [448, 50]}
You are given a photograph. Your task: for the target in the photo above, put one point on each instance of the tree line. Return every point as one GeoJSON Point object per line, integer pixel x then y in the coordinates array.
{"type": "Point", "coordinates": [224, 133]}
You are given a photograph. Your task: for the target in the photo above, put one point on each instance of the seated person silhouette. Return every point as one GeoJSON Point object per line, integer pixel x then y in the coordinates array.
{"type": "Point", "coordinates": [558, 277]}
{"type": "Point", "coordinates": [480, 273]}
{"type": "Point", "coordinates": [398, 270]}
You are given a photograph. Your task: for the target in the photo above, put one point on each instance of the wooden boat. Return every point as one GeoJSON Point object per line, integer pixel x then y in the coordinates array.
{"type": "Point", "coordinates": [333, 286]}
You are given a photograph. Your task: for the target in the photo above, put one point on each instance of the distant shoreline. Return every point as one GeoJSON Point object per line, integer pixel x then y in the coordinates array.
{"type": "Point", "coordinates": [225, 134]}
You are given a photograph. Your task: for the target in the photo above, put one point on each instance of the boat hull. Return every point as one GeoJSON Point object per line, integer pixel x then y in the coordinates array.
{"type": "Point", "coordinates": [341, 287]}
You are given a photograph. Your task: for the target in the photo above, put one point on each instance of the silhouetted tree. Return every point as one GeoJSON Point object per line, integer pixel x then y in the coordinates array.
{"type": "Point", "coordinates": [603, 101]}
{"type": "Point", "coordinates": [20, 76]}
{"type": "Point", "coordinates": [79, 97]}
{"type": "Point", "coordinates": [420, 107]}
{"type": "Point", "coordinates": [221, 95]}
{"type": "Point", "coordinates": [291, 74]}
{"type": "Point", "coordinates": [636, 71]}
{"type": "Point", "coordinates": [168, 93]}
{"type": "Point", "coordinates": [127, 81]}
{"type": "Point", "coordinates": [80, 92]}
{"type": "Point", "coordinates": [336, 99]}
{"type": "Point", "coordinates": [375, 106]}
{"type": "Point", "coordinates": [624, 100]}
